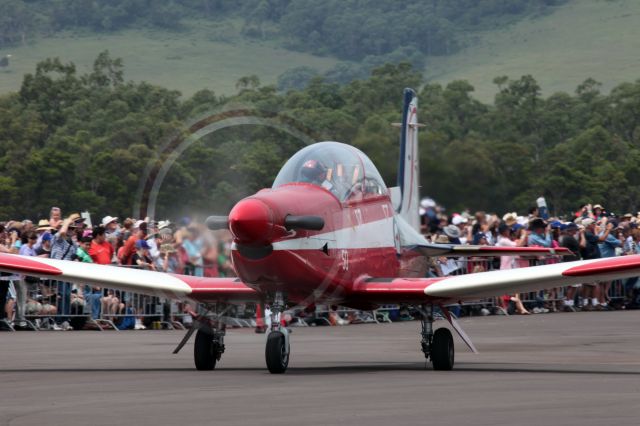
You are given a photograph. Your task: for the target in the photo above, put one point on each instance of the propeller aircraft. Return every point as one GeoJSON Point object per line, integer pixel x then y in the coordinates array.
{"type": "Point", "coordinates": [330, 231]}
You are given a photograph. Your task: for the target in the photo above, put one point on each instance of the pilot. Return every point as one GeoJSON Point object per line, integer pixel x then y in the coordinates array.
{"type": "Point", "coordinates": [315, 173]}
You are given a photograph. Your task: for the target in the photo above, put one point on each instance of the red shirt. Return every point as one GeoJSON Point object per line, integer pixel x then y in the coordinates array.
{"type": "Point", "coordinates": [128, 250]}
{"type": "Point", "coordinates": [101, 253]}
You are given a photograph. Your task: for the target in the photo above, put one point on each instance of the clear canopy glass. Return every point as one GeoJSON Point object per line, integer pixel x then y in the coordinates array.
{"type": "Point", "coordinates": [342, 169]}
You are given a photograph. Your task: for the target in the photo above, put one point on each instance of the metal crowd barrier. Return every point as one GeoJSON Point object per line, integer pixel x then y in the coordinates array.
{"type": "Point", "coordinates": [50, 303]}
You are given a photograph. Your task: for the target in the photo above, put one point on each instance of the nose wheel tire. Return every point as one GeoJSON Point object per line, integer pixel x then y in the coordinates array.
{"type": "Point", "coordinates": [276, 354]}
{"type": "Point", "coordinates": [206, 351]}
{"type": "Point", "coordinates": [442, 353]}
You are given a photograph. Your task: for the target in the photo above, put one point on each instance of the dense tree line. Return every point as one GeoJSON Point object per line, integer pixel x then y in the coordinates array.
{"type": "Point", "coordinates": [83, 141]}
{"type": "Point", "coordinates": [376, 30]}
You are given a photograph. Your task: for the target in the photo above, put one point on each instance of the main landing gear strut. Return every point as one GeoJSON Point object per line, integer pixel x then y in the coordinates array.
{"type": "Point", "coordinates": [436, 346]}
{"type": "Point", "coordinates": [209, 345]}
{"type": "Point", "coordinates": [277, 348]}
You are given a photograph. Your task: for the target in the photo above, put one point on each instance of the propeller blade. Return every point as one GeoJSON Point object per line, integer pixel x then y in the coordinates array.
{"type": "Point", "coordinates": [217, 222]}
{"type": "Point", "coordinates": [310, 223]}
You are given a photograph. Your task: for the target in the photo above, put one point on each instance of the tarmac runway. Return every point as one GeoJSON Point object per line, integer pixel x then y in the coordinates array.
{"type": "Point", "coordinates": [548, 369]}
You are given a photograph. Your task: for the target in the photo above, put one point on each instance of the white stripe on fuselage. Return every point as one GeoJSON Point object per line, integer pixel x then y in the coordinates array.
{"type": "Point", "coordinates": [375, 234]}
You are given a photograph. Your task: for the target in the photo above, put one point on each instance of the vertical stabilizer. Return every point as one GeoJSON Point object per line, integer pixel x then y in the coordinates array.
{"type": "Point", "coordinates": [408, 169]}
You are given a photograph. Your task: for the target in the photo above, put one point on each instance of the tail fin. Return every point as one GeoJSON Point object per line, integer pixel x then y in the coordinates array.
{"type": "Point", "coordinates": [408, 169]}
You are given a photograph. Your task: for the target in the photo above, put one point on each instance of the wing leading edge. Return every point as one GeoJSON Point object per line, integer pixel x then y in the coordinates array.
{"type": "Point", "coordinates": [494, 283]}
{"type": "Point", "coordinates": [152, 283]}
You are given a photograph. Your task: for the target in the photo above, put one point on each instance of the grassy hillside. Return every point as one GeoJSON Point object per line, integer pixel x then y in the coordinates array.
{"type": "Point", "coordinates": [187, 61]}
{"type": "Point", "coordinates": [584, 38]}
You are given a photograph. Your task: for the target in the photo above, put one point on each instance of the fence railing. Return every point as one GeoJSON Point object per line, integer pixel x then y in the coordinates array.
{"type": "Point", "coordinates": [50, 304]}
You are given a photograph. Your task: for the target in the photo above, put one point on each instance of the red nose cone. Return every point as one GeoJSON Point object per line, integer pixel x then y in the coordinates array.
{"type": "Point", "coordinates": [251, 222]}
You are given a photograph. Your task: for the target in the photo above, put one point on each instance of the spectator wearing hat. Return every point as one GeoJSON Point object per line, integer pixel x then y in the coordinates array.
{"type": "Point", "coordinates": [607, 242]}
{"type": "Point", "coordinates": [626, 219]}
{"type": "Point", "coordinates": [540, 235]}
{"type": "Point", "coordinates": [169, 256]}
{"type": "Point", "coordinates": [63, 247]}
{"type": "Point", "coordinates": [480, 239]}
{"type": "Point", "coordinates": [485, 224]}
{"type": "Point", "coordinates": [510, 219]}
{"type": "Point", "coordinates": [589, 249]}
{"type": "Point", "coordinates": [153, 241]}
{"type": "Point", "coordinates": [507, 238]}
{"type": "Point", "coordinates": [598, 212]}
{"type": "Point", "coordinates": [141, 257]}
{"type": "Point", "coordinates": [43, 228]}
{"type": "Point", "coordinates": [453, 234]}
{"type": "Point", "coordinates": [428, 215]}
{"type": "Point", "coordinates": [436, 264]}
{"type": "Point", "coordinates": [110, 225]}
{"type": "Point", "coordinates": [14, 230]}
{"type": "Point", "coordinates": [607, 245]}
{"type": "Point", "coordinates": [45, 247]}
{"type": "Point", "coordinates": [461, 222]}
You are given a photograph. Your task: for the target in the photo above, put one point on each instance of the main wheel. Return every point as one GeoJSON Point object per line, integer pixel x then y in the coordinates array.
{"type": "Point", "coordinates": [205, 351]}
{"type": "Point", "coordinates": [442, 353]}
{"type": "Point", "coordinates": [276, 353]}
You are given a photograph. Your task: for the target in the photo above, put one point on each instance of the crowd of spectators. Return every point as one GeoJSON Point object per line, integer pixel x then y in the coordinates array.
{"type": "Point", "coordinates": [187, 247]}
{"type": "Point", "coordinates": [590, 233]}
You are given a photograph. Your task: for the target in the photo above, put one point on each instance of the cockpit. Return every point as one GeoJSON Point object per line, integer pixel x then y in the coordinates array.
{"type": "Point", "coordinates": [341, 169]}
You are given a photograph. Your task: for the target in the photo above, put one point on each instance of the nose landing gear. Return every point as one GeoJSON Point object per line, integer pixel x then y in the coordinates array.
{"type": "Point", "coordinates": [277, 348]}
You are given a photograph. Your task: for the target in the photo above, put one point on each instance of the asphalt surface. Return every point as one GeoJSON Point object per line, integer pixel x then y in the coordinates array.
{"type": "Point", "coordinates": [553, 369]}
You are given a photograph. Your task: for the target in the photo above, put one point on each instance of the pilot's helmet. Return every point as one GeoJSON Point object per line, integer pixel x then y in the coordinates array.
{"type": "Point", "coordinates": [312, 170]}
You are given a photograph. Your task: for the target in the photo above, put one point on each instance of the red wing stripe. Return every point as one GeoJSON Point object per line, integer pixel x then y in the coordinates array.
{"type": "Point", "coordinates": [25, 265]}
{"type": "Point", "coordinates": [218, 286]}
{"type": "Point", "coordinates": [615, 264]}
{"type": "Point", "coordinates": [408, 286]}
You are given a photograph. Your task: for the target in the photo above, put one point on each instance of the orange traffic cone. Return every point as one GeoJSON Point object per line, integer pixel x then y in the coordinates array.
{"type": "Point", "coordinates": [260, 327]}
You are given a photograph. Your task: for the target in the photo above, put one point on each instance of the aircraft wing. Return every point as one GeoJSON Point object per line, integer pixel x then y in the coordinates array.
{"type": "Point", "coordinates": [454, 250]}
{"type": "Point", "coordinates": [159, 284]}
{"type": "Point", "coordinates": [494, 283]}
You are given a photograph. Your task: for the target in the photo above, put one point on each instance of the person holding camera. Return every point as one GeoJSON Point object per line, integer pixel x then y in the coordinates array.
{"type": "Point", "coordinates": [64, 246]}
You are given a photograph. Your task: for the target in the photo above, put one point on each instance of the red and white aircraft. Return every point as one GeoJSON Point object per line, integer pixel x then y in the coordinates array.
{"type": "Point", "coordinates": [329, 231]}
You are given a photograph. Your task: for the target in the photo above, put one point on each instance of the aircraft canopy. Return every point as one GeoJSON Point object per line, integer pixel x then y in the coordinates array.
{"type": "Point", "coordinates": [342, 169]}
